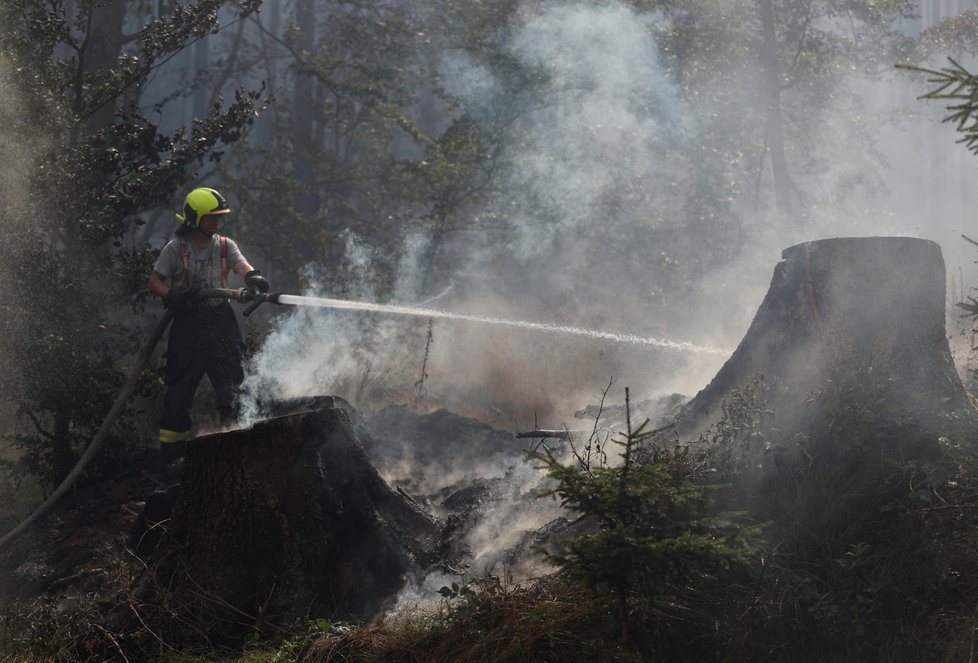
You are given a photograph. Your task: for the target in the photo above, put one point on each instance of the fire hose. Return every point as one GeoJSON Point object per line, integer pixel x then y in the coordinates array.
{"type": "Point", "coordinates": [244, 295]}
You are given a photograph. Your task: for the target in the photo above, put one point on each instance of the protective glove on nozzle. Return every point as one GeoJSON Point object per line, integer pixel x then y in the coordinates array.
{"type": "Point", "coordinates": [256, 281]}
{"type": "Point", "coordinates": [179, 301]}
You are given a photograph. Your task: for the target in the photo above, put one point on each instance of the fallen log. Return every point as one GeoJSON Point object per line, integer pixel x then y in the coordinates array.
{"type": "Point", "coordinates": [548, 434]}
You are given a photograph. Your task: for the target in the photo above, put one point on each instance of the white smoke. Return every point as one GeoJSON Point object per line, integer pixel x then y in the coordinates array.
{"type": "Point", "coordinates": [599, 169]}
{"type": "Point", "coordinates": [607, 117]}
{"type": "Point", "coordinates": [316, 351]}
{"type": "Point", "coordinates": [421, 594]}
{"type": "Point", "coordinates": [507, 521]}
{"type": "Point", "coordinates": [605, 128]}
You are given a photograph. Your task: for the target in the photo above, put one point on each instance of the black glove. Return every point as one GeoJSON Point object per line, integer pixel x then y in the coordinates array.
{"type": "Point", "coordinates": [179, 301]}
{"type": "Point", "coordinates": [256, 281]}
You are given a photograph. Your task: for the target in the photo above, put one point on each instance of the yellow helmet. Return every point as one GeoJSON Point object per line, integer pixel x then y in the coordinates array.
{"type": "Point", "coordinates": [202, 202]}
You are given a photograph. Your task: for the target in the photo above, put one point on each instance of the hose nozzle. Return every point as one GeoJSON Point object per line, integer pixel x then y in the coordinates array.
{"type": "Point", "coordinates": [259, 299]}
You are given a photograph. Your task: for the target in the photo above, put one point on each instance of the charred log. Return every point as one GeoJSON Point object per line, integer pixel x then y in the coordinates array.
{"type": "Point", "coordinates": [562, 434]}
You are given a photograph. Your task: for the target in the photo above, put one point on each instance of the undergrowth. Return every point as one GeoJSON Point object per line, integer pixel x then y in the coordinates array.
{"type": "Point", "coordinates": [19, 495]}
{"type": "Point", "coordinates": [851, 542]}
{"type": "Point", "coordinates": [547, 619]}
{"type": "Point", "coordinates": [867, 552]}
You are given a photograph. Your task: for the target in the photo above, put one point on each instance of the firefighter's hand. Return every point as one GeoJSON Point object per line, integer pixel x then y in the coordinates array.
{"type": "Point", "coordinates": [256, 281]}
{"type": "Point", "coordinates": [178, 301]}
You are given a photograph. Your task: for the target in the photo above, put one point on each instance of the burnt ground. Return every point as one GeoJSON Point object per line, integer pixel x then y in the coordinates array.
{"type": "Point", "coordinates": [87, 544]}
{"type": "Point", "coordinates": [481, 484]}
{"type": "Point", "coordinates": [475, 481]}
{"type": "Point", "coordinates": [80, 546]}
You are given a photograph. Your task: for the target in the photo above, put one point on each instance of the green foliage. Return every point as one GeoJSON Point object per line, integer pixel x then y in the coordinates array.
{"type": "Point", "coordinates": [472, 594]}
{"type": "Point", "coordinates": [805, 57]}
{"type": "Point", "coordinates": [653, 530]}
{"type": "Point", "coordinates": [742, 434]}
{"type": "Point", "coordinates": [17, 499]}
{"type": "Point", "coordinates": [953, 36]}
{"type": "Point", "coordinates": [88, 162]}
{"type": "Point", "coordinates": [845, 496]}
{"type": "Point", "coordinates": [970, 305]}
{"type": "Point", "coordinates": [959, 88]}
{"type": "Point", "coordinates": [653, 527]}
{"type": "Point", "coordinates": [295, 645]}
{"type": "Point", "coordinates": [456, 591]}
{"type": "Point", "coordinates": [366, 144]}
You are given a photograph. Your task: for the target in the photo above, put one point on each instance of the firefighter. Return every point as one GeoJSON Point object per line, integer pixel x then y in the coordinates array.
{"type": "Point", "coordinates": [204, 337]}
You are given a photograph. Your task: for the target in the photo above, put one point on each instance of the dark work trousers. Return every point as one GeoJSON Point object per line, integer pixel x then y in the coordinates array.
{"type": "Point", "coordinates": [203, 341]}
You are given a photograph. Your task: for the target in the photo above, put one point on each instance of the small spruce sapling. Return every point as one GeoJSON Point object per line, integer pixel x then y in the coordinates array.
{"type": "Point", "coordinates": [652, 524]}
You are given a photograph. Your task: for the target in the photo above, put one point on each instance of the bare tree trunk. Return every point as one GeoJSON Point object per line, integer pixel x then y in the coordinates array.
{"type": "Point", "coordinates": [202, 93]}
{"type": "Point", "coordinates": [774, 118]}
{"type": "Point", "coordinates": [231, 66]}
{"type": "Point", "coordinates": [270, 51]}
{"type": "Point", "coordinates": [306, 202]}
{"type": "Point", "coordinates": [103, 44]}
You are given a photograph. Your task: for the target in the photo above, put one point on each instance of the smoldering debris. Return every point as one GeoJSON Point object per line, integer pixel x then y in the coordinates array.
{"type": "Point", "coordinates": [658, 411]}
{"type": "Point", "coordinates": [483, 486]}
{"type": "Point", "coordinates": [426, 454]}
{"type": "Point", "coordinates": [476, 478]}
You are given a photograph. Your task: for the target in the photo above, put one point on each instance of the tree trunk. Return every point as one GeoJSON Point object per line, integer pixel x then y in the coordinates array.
{"type": "Point", "coordinates": [290, 520]}
{"type": "Point", "coordinates": [103, 44]}
{"type": "Point", "coordinates": [774, 118]}
{"type": "Point", "coordinates": [203, 87]}
{"type": "Point", "coordinates": [305, 202]}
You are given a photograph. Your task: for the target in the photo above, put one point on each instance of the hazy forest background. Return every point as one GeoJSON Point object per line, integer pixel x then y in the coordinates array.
{"type": "Point", "coordinates": [632, 167]}
{"type": "Point", "coordinates": [625, 166]}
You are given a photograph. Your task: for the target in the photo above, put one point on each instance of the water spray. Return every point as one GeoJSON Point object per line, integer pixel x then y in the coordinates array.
{"type": "Point", "coordinates": [425, 312]}
{"type": "Point", "coordinates": [255, 299]}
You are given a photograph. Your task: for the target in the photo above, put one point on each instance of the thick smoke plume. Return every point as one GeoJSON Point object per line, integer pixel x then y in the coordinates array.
{"type": "Point", "coordinates": [608, 127]}
{"type": "Point", "coordinates": [597, 172]}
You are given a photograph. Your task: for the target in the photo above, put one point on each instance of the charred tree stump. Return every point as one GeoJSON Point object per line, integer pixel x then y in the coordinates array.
{"type": "Point", "coordinates": [289, 520]}
{"type": "Point", "coordinates": [864, 314]}
{"type": "Point", "coordinates": [859, 398]}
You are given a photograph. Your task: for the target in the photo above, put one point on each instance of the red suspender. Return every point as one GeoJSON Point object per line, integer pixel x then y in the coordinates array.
{"type": "Point", "coordinates": [185, 255]}
{"type": "Point", "coordinates": [224, 260]}
{"type": "Point", "coordinates": [225, 270]}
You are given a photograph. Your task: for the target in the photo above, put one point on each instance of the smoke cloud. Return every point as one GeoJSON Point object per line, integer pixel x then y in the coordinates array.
{"type": "Point", "coordinates": [585, 230]}
{"type": "Point", "coordinates": [608, 128]}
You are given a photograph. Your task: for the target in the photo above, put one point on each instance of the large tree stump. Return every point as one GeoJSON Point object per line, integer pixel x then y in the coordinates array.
{"type": "Point", "coordinates": [860, 403]}
{"type": "Point", "coordinates": [867, 313]}
{"type": "Point", "coordinates": [290, 520]}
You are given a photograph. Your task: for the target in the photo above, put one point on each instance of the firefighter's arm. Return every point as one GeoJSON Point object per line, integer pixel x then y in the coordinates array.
{"type": "Point", "coordinates": [157, 284]}
{"type": "Point", "coordinates": [253, 278]}
{"type": "Point", "coordinates": [243, 267]}
{"type": "Point", "coordinates": [172, 299]}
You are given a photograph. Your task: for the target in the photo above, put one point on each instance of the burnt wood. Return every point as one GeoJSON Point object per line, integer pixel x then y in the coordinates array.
{"type": "Point", "coordinates": [866, 313]}
{"type": "Point", "coordinates": [290, 520]}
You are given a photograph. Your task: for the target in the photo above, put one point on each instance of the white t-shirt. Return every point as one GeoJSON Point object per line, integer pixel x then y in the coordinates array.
{"type": "Point", "coordinates": [203, 263]}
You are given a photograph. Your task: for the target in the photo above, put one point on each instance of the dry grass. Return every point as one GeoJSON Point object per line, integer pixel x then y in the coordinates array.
{"type": "Point", "coordinates": [545, 620]}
